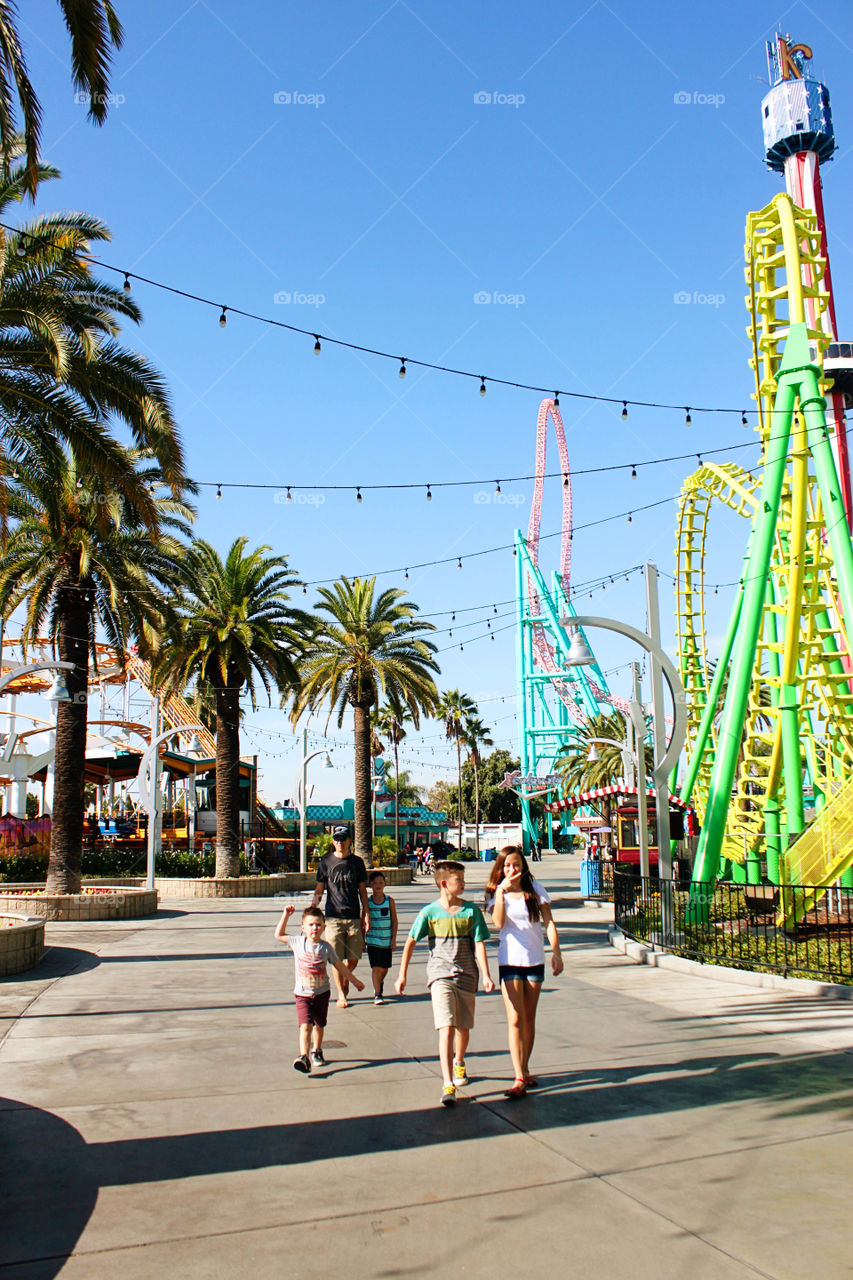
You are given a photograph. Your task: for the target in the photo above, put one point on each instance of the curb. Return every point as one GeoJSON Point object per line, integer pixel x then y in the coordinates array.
{"type": "Point", "coordinates": [642, 953]}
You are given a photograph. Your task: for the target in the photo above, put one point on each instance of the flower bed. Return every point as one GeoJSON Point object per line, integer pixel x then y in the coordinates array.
{"type": "Point", "coordinates": [100, 902]}
{"type": "Point", "coordinates": [21, 942]}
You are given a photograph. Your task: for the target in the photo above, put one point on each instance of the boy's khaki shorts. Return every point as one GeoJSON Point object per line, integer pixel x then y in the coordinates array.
{"type": "Point", "coordinates": [346, 938]}
{"type": "Point", "coordinates": [451, 1005]}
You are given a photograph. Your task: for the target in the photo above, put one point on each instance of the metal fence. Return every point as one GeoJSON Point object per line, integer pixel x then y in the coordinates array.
{"type": "Point", "coordinates": [597, 879]}
{"type": "Point", "coordinates": [788, 930]}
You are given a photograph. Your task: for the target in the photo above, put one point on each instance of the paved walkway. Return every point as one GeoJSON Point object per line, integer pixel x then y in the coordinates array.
{"type": "Point", "coordinates": [152, 1123]}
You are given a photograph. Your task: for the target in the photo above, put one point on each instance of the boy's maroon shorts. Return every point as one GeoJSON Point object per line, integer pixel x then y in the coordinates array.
{"type": "Point", "coordinates": [312, 1010]}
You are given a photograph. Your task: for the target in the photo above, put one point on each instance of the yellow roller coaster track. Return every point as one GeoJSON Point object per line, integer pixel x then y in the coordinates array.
{"type": "Point", "coordinates": [801, 644]}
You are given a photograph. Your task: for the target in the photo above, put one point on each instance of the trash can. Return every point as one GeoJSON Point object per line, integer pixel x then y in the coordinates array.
{"type": "Point", "coordinates": [590, 879]}
{"type": "Point", "coordinates": [488, 855]}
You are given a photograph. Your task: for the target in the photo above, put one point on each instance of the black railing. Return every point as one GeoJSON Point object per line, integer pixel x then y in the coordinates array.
{"type": "Point", "coordinates": [763, 927]}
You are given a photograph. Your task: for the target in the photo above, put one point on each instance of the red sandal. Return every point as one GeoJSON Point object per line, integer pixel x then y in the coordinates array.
{"type": "Point", "coordinates": [518, 1090]}
{"type": "Point", "coordinates": [531, 1082]}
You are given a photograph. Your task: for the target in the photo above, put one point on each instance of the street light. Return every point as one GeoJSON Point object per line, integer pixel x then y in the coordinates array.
{"type": "Point", "coordinates": [665, 754]}
{"type": "Point", "coordinates": [148, 778]}
{"type": "Point", "coordinates": [301, 799]}
{"type": "Point", "coordinates": [58, 691]}
{"type": "Point", "coordinates": [194, 747]}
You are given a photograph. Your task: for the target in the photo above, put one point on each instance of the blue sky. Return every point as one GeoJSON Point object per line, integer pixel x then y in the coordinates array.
{"type": "Point", "coordinates": [382, 198]}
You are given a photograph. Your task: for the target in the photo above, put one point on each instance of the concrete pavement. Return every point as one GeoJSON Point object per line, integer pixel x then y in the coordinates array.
{"type": "Point", "coordinates": [152, 1121]}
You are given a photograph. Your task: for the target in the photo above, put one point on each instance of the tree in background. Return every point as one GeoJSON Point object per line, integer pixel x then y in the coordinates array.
{"type": "Point", "coordinates": [389, 722]}
{"type": "Point", "coordinates": [367, 649]}
{"type": "Point", "coordinates": [404, 791]}
{"type": "Point", "coordinates": [476, 736]}
{"type": "Point", "coordinates": [456, 709]}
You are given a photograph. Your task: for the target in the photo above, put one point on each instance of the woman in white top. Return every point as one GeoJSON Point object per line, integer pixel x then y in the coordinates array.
{"type": "Point", "coordinates": [520, 910]}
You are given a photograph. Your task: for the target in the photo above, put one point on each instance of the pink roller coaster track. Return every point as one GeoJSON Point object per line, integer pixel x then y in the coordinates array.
{"type": "Point", "coordinates": [545, 656]}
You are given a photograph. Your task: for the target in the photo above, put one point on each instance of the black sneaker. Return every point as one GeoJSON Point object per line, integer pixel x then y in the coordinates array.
{"type": "Point", "coordinates": [317, 1058]}
{"type": "Point", "coordinates": [302, 1063]}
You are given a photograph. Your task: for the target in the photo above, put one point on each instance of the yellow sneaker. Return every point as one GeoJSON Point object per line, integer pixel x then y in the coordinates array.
{"type": "Point", "coordinates": [448, 1095]}
{"type": "Point", "coordinates": [460, 1075]}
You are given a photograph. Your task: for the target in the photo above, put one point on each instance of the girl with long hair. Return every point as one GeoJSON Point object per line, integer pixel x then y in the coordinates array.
{"type": "Point", "coordinates": [521, 912]}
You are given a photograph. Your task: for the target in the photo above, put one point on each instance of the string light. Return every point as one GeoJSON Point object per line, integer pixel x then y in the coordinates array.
{"type": "Point", "coordinates": [633, 473]}
{"type": "Point", "coordinates": [556, 399]}
{"type": "Point", "coordinates": [317, 347]}
{"type": "Point", "coordinates": [459, 563]}
{"type": "Point", "coordinates": [126, 285]}
{"type": "Point", "coordinates": [629, 517]}
{"type": "Point", "coordinates": [219, 492]}
{"type": "Point", "coordinates": [687, 418]}
{"type": "Point", "coordinates": [743, 418]}
{"type": "Point", "coordinates": [358, 496]}
{"type": "Point", "coordinates": [624, 408]}
{"type": "Point", "coordinates": [223, 319]}
{"type": "Point", "coordinates": [497, 486]}
{"type": "Point", "coordinates": [351, 346]}
{"type": "Point", "coordinates": [565, 481]}
{"type": "Point", "coordinates": [289, 495]}
{"type": "Point", "coordinates": [406, 575]}
{"type": "Point", "coordinates": [402, 372]}
{"type": "Point", "coordinates": [429, 494]}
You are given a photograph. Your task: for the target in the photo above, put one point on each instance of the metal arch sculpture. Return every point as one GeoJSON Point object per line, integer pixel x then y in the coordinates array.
{"type": "Point", "coordinates": [553, 698]}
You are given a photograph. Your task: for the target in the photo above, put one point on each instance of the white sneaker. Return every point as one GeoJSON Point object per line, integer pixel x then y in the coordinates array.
{"type": "Point", "coordinates": [379, 1000]}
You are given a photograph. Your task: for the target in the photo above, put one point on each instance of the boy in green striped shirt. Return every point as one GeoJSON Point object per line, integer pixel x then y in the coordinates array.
{"type": "Point", "coordinates": [457, 933]}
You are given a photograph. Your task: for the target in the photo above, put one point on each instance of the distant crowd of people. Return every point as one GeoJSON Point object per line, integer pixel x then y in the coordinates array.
{"type": "Point", "coordinates": [359, 912]}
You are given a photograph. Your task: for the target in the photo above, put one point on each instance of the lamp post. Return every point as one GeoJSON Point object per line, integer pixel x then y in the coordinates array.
{"type": "Point", "coordinates": [301, 799]}
{"type": "Point", "coordinates": [148, 778]}
{"type": "Point", "coordinates": [193, 749]}
{"type": "Point", "coordinates": [665, 754]}
{"type": "Point", "coordinates": [22, 765]}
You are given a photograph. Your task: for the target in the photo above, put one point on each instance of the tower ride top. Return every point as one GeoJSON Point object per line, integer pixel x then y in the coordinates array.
{"type": "Point", "coordinates": [796, 111]}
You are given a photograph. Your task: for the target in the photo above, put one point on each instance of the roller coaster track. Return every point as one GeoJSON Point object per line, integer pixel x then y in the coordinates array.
{"type": "Point", "coordinates": [176, 711]}
{"type": "Point", "coordinates": [797, 706]}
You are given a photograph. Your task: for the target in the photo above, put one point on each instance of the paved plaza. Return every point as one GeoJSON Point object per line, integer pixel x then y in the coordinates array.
{"type": "Point", "coordinates": [152, 1123]}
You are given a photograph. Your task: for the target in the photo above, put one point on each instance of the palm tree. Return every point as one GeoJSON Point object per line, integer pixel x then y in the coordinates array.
{"type": "Point", "coordinates": [367, 648]}
{"type": "Point", "coordinates": [476, 736]}
{"type": "Point", "coordinates": [76, 559]}
{"type": "Point", "coordinates": [63, 372]}
{"type": "Point", "coordinates": [95, 32]}
{"type": "Point", "coordinates": [456, 709]}
{"type": "Point", "coordinates": [579, 773]}
{"type": "Point", "coordinates": [404, 791]}
{"type": "Point", "coordinates": [389, 722]}
{"type": "Point", "coordinates": [233, 622]}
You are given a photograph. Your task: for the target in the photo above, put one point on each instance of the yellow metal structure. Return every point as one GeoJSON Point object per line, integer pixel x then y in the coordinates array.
{"type": "Point", "coordinates": [802, 654]}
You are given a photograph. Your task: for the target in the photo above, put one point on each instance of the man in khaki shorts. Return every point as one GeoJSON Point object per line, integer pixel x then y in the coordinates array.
{"type": "Point", "coordinates": [342, 876]}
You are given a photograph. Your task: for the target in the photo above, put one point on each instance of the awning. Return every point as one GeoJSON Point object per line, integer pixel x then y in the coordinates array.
{"type": "Point", "coordinates": [601, 793]}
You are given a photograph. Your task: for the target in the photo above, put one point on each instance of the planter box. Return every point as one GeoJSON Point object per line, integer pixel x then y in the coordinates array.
{"type": "Point", "coordinates": [22, 944]}
{"type": "Point", "coordinates": [124, 903]}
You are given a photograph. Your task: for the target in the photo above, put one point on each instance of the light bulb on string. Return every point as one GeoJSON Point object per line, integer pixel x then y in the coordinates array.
{"type": "Point", "coordinates": [556, 399]}
{"type": "Point", "coordinates": [495, 609]}
{"type": "Point", "coordinates": [565, 482]}
{"type": "Point", "coordinates": [223, 319]}
{"type": "Point", "coordinates": [743, 418]}
{"type": "Point", "coordinates": [289, 497]}
{"type": "Point", "coordinates": [429, 494]}
{"type": "Point", "coordinates": [634, 473]}
{"type": "Point", "coordinates": [317, 347]}
{"type": "Point", "coordinates": [406, 575]}
{"type": "Point", "coordinates": [687, 418]}
{"type": "Point", "coordinates": [629, 517]}
{"type": "Point", "coordinates": [402, 372]}
{"type": "Point", "coordinates": [126, 285]}
{"type": "Point", "coordinates": [453, 617]}
{"type": "Point", "coordinates": [497, 486]}
{"type": "Point", "coordinates": [459, 563]}
{"type": "Point", "coordinates": [219, 492]}
{"type": "Point", "coordinates": [482, 386]}
{"type": "Point", "coordinates": [358, 496]}
{"type": "Point", "coordinates": [624, 408]}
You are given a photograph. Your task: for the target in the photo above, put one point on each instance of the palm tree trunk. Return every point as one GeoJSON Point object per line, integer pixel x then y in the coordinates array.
{"type": "Point", "coordinates": [459, 790]}
{"type": "Point", "coordinates": [396, 802]}
{"type": "Point", "coordinates": [363, 817]}
{"type": "Point", "coordinates": [64, 867]}
{"type": "Point", "coordinates": [476, 806]}
{"type": "Point", "coordinates": [228, 780]}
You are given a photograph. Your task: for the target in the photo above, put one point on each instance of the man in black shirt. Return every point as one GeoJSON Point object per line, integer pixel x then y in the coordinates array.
{"type": "Point", "coordinates": [342, 876]}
